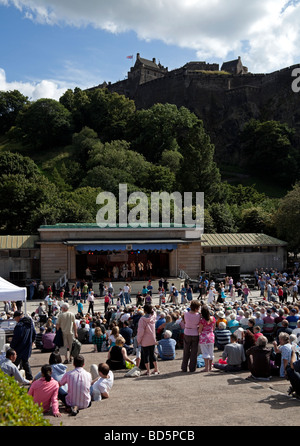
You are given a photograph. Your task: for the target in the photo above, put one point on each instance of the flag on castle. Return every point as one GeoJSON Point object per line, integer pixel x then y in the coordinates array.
{"type": "Point", "coordinates": [129, 57]}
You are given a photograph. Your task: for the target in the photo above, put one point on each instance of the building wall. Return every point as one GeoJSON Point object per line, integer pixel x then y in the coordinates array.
{"type": "Point", "coordinates": [54, 261]}
{"type": "Point", "coordinates": [247, 261]}
{"type": "Point", "coordinates": [189, 259]}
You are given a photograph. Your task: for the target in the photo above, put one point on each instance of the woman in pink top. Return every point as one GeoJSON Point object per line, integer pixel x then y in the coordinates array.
{"type": "Point", "coordinates": [207, 337]}
{"type": "Point", "coordinates": [146, 338]}
{"type": "Point", "coordinates": [45, 391]}
{"type": "Point", "coordinates": [191, 337]}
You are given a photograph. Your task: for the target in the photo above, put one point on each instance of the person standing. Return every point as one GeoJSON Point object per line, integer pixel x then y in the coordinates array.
{"type": "Point", "coordinates": [191, 337]}
{"type": "Point", "coordinates": [126, 291]}
{"type": "Point", "coordinates": [66, 321]}
{"type": "Point", "coordinates": [91, 301]}
{"type": "Point", "coordinates": [146, 337]}
{"type": "Point", "coordinates": [23, 337]}
{"type": "Point", "coordinates": [207, 338]}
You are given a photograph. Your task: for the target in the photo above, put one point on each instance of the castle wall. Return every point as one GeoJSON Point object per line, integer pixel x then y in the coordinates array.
{"type": "Point", "coordinates": [224, 102]}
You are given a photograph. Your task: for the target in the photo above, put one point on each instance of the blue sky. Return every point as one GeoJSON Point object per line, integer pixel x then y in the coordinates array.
{"type": "Point", "coordinates": [48, 46]}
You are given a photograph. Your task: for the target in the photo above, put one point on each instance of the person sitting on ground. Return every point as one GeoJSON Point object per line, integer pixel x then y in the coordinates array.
{"type": "Point", "coordinates": [39, 338]}
{"type": "Point", "coordinates": [166, 346]}
{"type": "Point", "coordinates": [58, 371]}
{"type": "Point", "coordinates": [258, 359]}
{"type": "Point", "coordinates": [296, 332]}
{"type": "Point", "coordinates": [47, 340]}
{"type": "Point", "coordinates": [293, 374]}
{"type": "Point", "coordinates": [222, 336]}
{"type": "Point", "coordinates": [126, 331]}
{"type": "Point", "coordinates": [117, 355]}
{"type": "Point", "coordinates": [283, 329]}
{"type": "Point", "coordinates": [257, 332]}
{"type": "Point", "coordinates": [233, 323]}
{"type": "Point", "coordinates": [285, 348]}
{"type": "Point", "coordinates": [234, 354]}
{"type": "Point", "coordinates": [45, 391]}
{"type": "Point", "coordinates": [83, 333]}
{"type": "Point", "coordinates": [79, 384]}
{"type": "Point", "coordinates": [98, 339]}
{"type": "Point", "coordinates": [173, 326]}
{"type": "Point", "coordinates": [9, 368]}
{"type": "Point", "coordinates": [220, 318]}
{"type": "Point", "coordinates": [102, 381]}
{"type": "Point", "coordinates": [269, 324]}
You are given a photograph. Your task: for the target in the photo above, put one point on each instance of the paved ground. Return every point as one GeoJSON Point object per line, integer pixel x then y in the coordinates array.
{"type": "Point", "coordinates": [178, 400]}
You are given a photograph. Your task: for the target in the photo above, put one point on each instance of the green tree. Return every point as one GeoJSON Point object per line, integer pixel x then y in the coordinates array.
{"type": "Point", "coordinates": [21, 199]}
{"type": "Point", "coordinates": [223, 221]}
{"type": "Point", "coordinates": [15, 163]}
{"type": "Point", "coordinates": [77, 103]}
{"type": "Point", "coordinates": [11, 103]}
{"type": "Point", "coordinates": [44, 124]}
{"type": "Point", "coordinates": [165, 128]}
{"type": "Point", "coordinates": [268, 149]}
{"type": "Point", "coordinates": [84, 142]}
{"type": "Point", "coordinates": [287, 219]}
{"type": "Point", "coordinates": [108, 114]}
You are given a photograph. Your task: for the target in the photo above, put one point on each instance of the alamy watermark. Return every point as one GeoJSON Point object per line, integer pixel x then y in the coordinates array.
{"type": "Point", "coordinates": [160, 209]}
{"type": "Point", "coordinates": [296, 82]}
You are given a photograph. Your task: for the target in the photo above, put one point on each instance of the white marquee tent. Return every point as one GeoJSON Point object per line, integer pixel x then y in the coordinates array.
{"type": "Point", "coordinates": [11, 292]}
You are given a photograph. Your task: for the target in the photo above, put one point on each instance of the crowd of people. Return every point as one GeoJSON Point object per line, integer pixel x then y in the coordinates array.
{"type": "Point", "coordinates": [261, 336]}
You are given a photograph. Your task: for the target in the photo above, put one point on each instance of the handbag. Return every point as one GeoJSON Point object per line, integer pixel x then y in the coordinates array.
{"type": "Point", "coordinates": [58, 339]}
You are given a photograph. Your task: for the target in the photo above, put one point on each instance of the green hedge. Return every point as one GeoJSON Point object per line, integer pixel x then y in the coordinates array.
{"type": "Point", "coordinates": [17, 408]}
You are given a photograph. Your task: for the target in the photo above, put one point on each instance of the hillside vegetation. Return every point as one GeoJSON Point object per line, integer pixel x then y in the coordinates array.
{"type": "Point", "coordinates": [56, 156]}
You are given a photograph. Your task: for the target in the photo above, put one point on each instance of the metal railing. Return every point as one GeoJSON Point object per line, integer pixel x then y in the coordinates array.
{"type": "Point", "coordinates": [183, 275]}
{"type": "Point", "coordinates": [61, 282]}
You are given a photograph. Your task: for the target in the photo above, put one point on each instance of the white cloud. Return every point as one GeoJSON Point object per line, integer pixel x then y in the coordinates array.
{"type": "Point", "coordinates": [34, 90]}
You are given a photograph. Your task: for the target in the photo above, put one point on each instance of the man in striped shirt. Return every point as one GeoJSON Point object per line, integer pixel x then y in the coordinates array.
{"type": "Point", "coordinates": [222, 336]}
{"type": "Point", "coordinates": [79, 382]}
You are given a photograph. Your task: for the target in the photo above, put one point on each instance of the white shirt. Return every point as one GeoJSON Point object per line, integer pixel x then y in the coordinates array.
{"type": "Point", "coordinates": [102, 385]}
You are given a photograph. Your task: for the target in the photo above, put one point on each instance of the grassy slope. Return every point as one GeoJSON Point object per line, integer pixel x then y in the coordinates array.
{"type": "Point", "coordinates": [46, 161]}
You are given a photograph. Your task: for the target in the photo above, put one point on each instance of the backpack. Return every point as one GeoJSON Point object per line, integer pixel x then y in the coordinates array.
{"type": "Point", "coordinates": [76, 348]}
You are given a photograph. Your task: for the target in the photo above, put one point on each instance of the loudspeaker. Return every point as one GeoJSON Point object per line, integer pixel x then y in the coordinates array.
{"type": "Point", "coordinates": [233, 271]}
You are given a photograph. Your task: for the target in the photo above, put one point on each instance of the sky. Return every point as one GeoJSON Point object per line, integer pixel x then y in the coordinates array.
{"type": "Point", "coordinates": [48, 46]}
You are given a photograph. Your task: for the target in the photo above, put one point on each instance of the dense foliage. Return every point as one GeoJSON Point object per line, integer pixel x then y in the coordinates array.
{"type": "Point", "coordinates": [62, 153]}
{"type": "Point", "coordinates": [17, 408]}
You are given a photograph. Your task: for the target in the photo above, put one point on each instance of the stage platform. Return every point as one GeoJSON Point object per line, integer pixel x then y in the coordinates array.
{"type": "Point", "coordinates": [135, 285]}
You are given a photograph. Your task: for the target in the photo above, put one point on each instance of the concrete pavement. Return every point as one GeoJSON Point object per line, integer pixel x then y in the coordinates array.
{"type": "Point", "coordinates": [179, 400]}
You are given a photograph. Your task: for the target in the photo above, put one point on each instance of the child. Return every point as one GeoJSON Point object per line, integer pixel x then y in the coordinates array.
{"type": "Point", "coordinates": [80, 307]}
{"type": "Point", "coordinates": [103, 380]}
{"type": "Point", "coordinates": [98, 339]}
{"type": "Point", "coordinates": [118, 303]}
{"type": "Point", "coordinates": [256, 332]}
{"type": "Point", "coordinates": [114, 334]}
